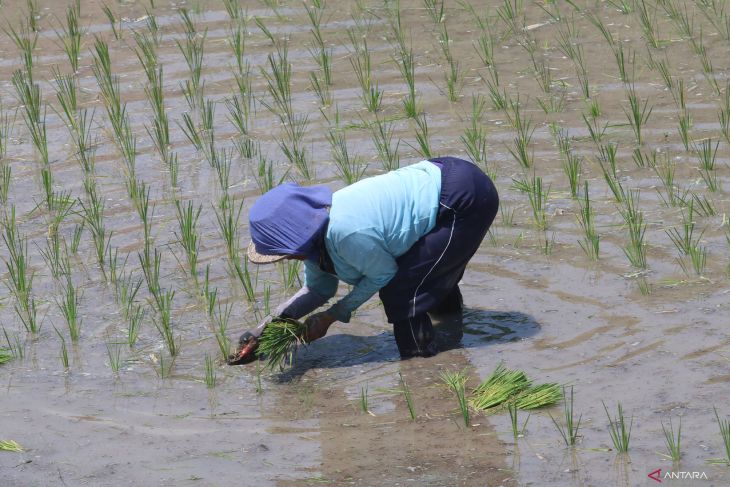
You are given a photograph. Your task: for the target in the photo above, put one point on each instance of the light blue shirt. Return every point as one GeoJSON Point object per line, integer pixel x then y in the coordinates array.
{"type": "Point", "coordinates": [373, 222]}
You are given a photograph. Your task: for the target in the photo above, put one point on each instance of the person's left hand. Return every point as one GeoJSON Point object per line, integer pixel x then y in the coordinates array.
{"type": "Point", "coordinates": [317, 325]}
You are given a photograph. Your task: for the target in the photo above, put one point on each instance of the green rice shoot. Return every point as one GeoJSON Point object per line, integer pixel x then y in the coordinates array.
{"type": "Point", "coordinates": [279, 341]}
{"type": "Point", "coordinates": [10, 445]}
{"type": "Point", "coordinates": [498, 388]}
{"type": "Point", "coordinates": [513, 385]}
{"type": "Point", "coordinates": [5, 355]}
{"type": "Point", "coordinates": [539, 396]}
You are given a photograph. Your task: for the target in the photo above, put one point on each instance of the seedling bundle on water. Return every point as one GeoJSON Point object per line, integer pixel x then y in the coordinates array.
{"type": "Point", "coordinates": [513, 385]}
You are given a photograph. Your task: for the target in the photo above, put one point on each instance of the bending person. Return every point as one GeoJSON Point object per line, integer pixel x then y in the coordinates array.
{"type": "Point", "coordinates": [407, 234]}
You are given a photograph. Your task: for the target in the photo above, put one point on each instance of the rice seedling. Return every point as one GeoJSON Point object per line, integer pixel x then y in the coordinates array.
{"type": "Point", "coordinates": [114, 23]}
{"type": "Point", "coordinates": [321, 89]}
{"type": "Point", "coordinates": [350, 168]}
{"type": "Point", "coordinates": [93, 214]}
{"type": "Point", "coordinates": [407, 396]}
{"type": "Point", "coordinates": [233, 8]}
{"type": "Point", "coordinates": [435, 9]}
{"type": "Point", "coordinates": [484, 47]}
{"type": "Point", "coordinates": [69, 307]}
{"type": "Point", "coordinates": [382, 136]}
{"type": "Point", "coordinates": [5, 178]}
{"type": "Point", "coordinates": [513, 412]}
{"type": "Point", "coordinates": [525, 130]}
{"type": "Point", "coordinates": [5, 355]}
{"type": "Point", "coordinates": [684, 125]}
{"type": "Point", "coordinates": [707, 68]}
{"type": "Point", "coordinates": [6, 127]}
{"type": "Point", "coordinates": [279, 87]}
{"type": "Point", "coordinates": [290, 273]}
{"type": "Point", "coordinates": [364, 401]}
{"type": "Point", "coordinates": [648, 24]}
{"type": "Point", "coordinates": [210, 295]}
{"type": "Point", "coordinates": [497, 97]}
{"type": "Point", "coordinates": [456, 381]}
{"type": "Point", "coordinates": [220, 319]}
{"type": "Point", "coordinates": [320, 53]}
{"type": "Point", "coordinates": [725, 435]}
{"type": "Point", "coordinates": [511, 12]}
{"type": "Point", "coordinates": [265, 175]}
{"type": "Point", "coordinates": [673, 440]}
{"type": "Point", "coordinates": [63, 354]}
{"type": "Point", "coordinates": [475, 136]}
{"type": "Point", "coordinates": [239, 114]}
{"type": "Point", "coordinates": [569, 432]}
{"type": "Point", "coordinates": [265, 30]}
{"type": "Point", "coordinates": [70, 37]}
{"type": "Point", "coordinates": [228, 217]}
{"type": "Point", "coordinates": [20, 274]}
{"type": "Point", "coordinates": [638, 113]}
{"type": "Point", "coordinates": [406, 65]}
{"type": "Point", "coordinates": [680, 17]}
{"type": "Point", "coordinates": [571, 162]}
{"type": "Point", "coordinates": [537, 195]}
{"type": "Point", "coordinates": [724, 114]}
{"type": "Point", "coordinates": [371, 95]}
{"type": "Point", "coordinates": [665, 73]}
{"type": "Point", "coordinates": [538, 396]}
{"type": "Point", "coordinates": [633, 218]}
{"type": "Point", "coordinates": [34, 115]}
{"type": "Point", "coordinates": [25, 39]}
{"type": "Point", "coordinates": [704, 206]}
{"type": "Point", "coordinates": [424, 145]}
{"type": "Point", "coordinates": [498, 388]}
{"type": "Point", "coordinates": [665, 172]}
{"type": "Point", "coordinates": [34, 13]}
{"type": "Point", "coordinates": [134, 323]}
{"type": "Point", "coordinates": [163, 323]}
{"type": "Point", "coordinates": [114, 355]}
{"type": "Point", "coordinates": [279, 341]}
{"type": "Point", "coordinates": [187, 218]}
{"type": "Point", "coordinates": [11, 446]}
{"type": "Point", "coordinates": [210, 375]}
{"type": "Point", "coordinates": [15, 347]}
{"type": "Point", "coordinates": [623, 56]}
{"type": "Point", "coordinates": [707, 155]}
{"type": "Point", "coordinates": [688, 243]}
{"type": "Point", "coordinates": [619, 429]}
{"type": "Point", "coordinates": [76, 237]}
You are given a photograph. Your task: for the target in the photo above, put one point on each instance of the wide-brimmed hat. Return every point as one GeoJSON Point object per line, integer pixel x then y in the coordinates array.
{"type": "Point", "coordinates": [257, 258]}
{"type": "Point", "coordinates": [288, 220]}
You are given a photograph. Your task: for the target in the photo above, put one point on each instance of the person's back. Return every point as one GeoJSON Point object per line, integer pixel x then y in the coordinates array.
{"type": "Point", "coordinates": [398, 207]}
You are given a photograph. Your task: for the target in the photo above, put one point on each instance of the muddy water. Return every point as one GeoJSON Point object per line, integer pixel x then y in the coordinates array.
{"type": "Point", "coordinates": [546, 309]}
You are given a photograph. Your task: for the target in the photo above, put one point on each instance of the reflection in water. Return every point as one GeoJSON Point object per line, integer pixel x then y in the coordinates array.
{"type": "Point", "coordinates": [499, 326]}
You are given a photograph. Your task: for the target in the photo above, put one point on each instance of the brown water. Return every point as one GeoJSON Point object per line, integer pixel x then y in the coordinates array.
{"type": "Point", "coordinates": [551, 312]}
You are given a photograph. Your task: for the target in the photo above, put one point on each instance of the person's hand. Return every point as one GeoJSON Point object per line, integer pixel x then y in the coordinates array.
{"type": "Point", "coordinates": [248, 344]}
{"type": "Point", "coordinates": [317, 325]}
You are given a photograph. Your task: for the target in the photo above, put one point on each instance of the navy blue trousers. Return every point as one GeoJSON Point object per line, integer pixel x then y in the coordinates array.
{"type": "Point", "coordinates": [431, 269]}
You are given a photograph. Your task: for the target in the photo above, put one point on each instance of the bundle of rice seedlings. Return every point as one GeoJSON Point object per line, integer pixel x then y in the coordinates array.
{"type": "Point", "coordinates": [10, 445]}
{"type": "Point", "coordinates": [279, 340]}
{"type": "Point", "coordinates": [5, 355]}
{"type": "Point", "coordinates": [539, 396]}
{"type": "Point", "coordinates": [498, 388]}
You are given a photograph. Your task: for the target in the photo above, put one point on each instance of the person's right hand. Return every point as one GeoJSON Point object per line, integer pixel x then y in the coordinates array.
{"type": "Point", "coordinates": [248, 344]}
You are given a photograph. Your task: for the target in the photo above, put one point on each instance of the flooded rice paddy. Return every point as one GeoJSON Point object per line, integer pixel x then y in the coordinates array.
{"type": "Point", "coordinates": [125, 185]}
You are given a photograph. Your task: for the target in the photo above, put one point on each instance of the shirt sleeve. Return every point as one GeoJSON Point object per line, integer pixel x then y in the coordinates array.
{"type": "Point", "coordinates": [319, 281]}
{"type": "Point", "coordinates": [367, 255]}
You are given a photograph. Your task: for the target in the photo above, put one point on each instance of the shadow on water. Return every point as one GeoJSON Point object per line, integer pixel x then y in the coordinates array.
{"type": "Point", "coordinates": [475, 329]}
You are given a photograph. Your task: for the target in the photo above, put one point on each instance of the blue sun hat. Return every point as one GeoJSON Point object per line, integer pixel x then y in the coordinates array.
{"type": "Point", "coordinates": [288, 220]}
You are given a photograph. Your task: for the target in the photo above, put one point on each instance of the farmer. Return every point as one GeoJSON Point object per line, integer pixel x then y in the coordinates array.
{"type": "Point", "coordinates": [407, 235]}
